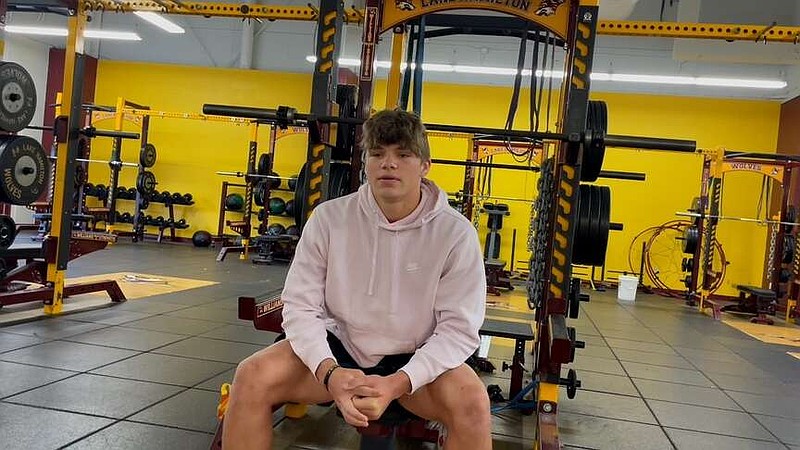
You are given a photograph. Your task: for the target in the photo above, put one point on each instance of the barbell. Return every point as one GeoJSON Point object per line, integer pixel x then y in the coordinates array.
{"type": "Point", "coordinates": [739, 219]}
{"type": "Point", "coordinates": [110, 163]}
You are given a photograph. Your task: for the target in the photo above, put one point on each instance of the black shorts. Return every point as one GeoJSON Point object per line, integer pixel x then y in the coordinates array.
{"type": "Point", "coordinates": [388, 365]}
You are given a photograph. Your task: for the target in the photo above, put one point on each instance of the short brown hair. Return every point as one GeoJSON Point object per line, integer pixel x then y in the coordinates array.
{"type": "Point", "coordinates": [394, 126]}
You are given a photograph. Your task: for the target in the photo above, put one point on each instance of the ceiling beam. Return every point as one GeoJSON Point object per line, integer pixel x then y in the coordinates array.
{"type": "Point", "coordinates": [727, 32]}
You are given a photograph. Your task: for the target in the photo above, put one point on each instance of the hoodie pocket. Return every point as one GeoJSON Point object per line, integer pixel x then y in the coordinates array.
{"type": "Point", "coordinates": [377, 342]}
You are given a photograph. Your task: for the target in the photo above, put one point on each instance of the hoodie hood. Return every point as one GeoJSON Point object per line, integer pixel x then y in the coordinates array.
{"type": "Point", "coordinates": [433, 202]}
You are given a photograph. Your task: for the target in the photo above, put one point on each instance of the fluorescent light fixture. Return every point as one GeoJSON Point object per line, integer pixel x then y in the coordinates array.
{"type": "Point", "coordinates": [92, 34]}
{"type": "Point", "coordinates": [596, 76]}
{"type": "Point", "coordinates": [160, 21]}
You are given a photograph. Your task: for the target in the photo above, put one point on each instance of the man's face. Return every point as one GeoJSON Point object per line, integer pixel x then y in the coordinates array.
{"type": "Point", "coordinates": [395, 173]}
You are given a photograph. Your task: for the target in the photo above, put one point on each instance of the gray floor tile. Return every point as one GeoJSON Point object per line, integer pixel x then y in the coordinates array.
{"type": "Point", "coordinates": [642, 346]}
{"type": "Point", "coordinates": [599, 433]}
{"type": "Point", "coordinates": [149, 307]}
{"type": "Point", "coordinates": [53, 328]}
{"type": "Point", "coordinates": [140, 436]}
{"type": "Point", "coordinates": [681, 393]}
{"type": "Point", "coordinates": [699, 418]}
{"type": "Point", "coordinates": [193, 410]}
{"type": "Point", "coordinates": [20, 377]}
{"type": "Point", "coordinates": [211, 350]}
{"type": "Point", "coordinates": [603, 382]}
{"type": "Point", "coordinates": [10, 341]}
{"type": "Point", "coordinates": [741, 369]}
{"type": "Point", "coordinates": [26, 428]}
{"type": "Point", "coordinates": [765, 385]}
{"type": "Point", "coordinates": [670, 374]}
{"type": "Point", "coordinates": [596, 349]}
{"type": "Point", "coordinates": [655, 359]}
{"type": "Point", "coordinates": [97, 395]}
{"type": "Point", "coordinates": [635, 333]}
{"type": "Point", "coordinates": [693, 440]}
{"type": "Point", "coordinates": [210, 314]}
{"type": "Point", "coordinates": [610, 406]}
{"type": "Point", "coordinates": [786, 429]}
{"type": "Point", "coordinates": [239, 333]}
{"type": "Point", "coordinates": [128, 338]}
{"type": "Point", "coordinates": [215, 383]}
{"type": "Point", "coordinates": [176, 325]}
{"type": "Point", "coordinates": [602, 365]}
{"type": "Point", "coordinates": [699, 355]}
{"type": "Point", "coordinates": [164, 369]}
{"type": "Point", "coordinates": [109, 316]}
{"type": "Point", "coordinates": [787, 405]}
{"type": "Point", "coordinates": [67, 355]}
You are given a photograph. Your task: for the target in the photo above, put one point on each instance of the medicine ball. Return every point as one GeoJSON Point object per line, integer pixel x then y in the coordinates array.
{"type": "Point", "coordinates": [292, 230]}
{"type": "Point", "coordinates": [293, 182]}
{"type": "Point", "coordinates": [276, 229]}
{"type": "Point", "coordinates": [276, 205]}
{"type": "Point", "coordinates": [201, 238]}
{"type": "Point", "coordinates": [289, 211]}
{"type": "Point", "coordinates": [234, 202]}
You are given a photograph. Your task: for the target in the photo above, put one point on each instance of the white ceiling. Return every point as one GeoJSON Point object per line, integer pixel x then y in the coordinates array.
{"type": "Point", "coordinates": [283, 46]}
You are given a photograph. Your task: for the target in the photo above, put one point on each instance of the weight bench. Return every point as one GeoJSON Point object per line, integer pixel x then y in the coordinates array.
{"type": "Point", "coordinates": [755, 300]}
{"type": "Point", "coordinates": [520, 333]}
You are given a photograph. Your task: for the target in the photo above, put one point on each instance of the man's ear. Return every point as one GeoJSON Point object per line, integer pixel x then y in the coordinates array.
{"type": "Point", "coordinates": [426, 167]}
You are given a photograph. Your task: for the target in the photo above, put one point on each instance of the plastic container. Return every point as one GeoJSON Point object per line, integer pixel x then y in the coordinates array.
{"type": "Point", "coordinates": [627, 288]}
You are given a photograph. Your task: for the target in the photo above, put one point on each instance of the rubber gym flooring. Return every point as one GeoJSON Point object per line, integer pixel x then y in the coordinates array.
{"type": "Point", "coordinates": [145, 374]}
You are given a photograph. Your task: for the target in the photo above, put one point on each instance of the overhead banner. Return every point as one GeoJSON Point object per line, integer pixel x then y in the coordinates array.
{"type": "Point", "coordinates": [551, 14]}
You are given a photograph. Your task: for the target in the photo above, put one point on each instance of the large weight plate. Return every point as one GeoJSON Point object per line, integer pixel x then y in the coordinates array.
{"type": "Point", "coordinates": [25, 170]}
{"type": "Point", "coordinates": [8, 231]}
{"type": "Point", "coordinates": [601, 242]}
{"type": "Point", "coordinates": [690, 240]}
{"type": "Point", "coordinates": [17, 97]}
{"type": "Point", "coordinates": [593, 155]}
{"type": "Point", "coordinates": [581, 243]}
{"type": "Point", "coordinates": [147, 156]}
{"type": "Point", "coordinates": [146, 183]}
{"type": "Point", "coordinates": [300, 197]}
{"type": "Point", "coordinates": [260, 193]}
{"type": "Point", "coordinates": [263, 164]}
{"type": "Point", "coordinates": [340, 180]}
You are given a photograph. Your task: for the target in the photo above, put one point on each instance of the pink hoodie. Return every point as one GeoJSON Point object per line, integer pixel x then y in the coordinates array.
{"type": "Point", "coordinates": [415, 285]}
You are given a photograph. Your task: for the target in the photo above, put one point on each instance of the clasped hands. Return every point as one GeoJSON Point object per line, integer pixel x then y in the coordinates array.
{"type": "Point", "coordinates": [362, 397]}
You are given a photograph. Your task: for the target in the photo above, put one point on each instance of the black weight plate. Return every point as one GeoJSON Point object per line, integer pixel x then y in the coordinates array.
{"type": "Point", "coordinates": [340, 180]}
{"type": "Point", "coordinates": [8, 231]}
{"type": "Point", "coordinates": [788, 248]}
{"type": "Point", "coordinates": [263, 164]}
{"type": "Point", "coordinates": [146, 183]}
{"type": "Point", "coordinates": [25, 169]}
{"type": "Point", "coordinates": [601, 240]}
{"type": "Point", "coordinates": [784, 276]}
{"type": "Point", "coordinates": [593, 155]}
{"type": "Point", "coordinates": [147, 156]}
{"type": "Point", "coordinates": [80, 175]}
{"type": "Point", "coordinates": [594, 227]}
{"type": "Point", "coordinates": [582, 225]}
{"type": "Point", "coordinates": [260, 193]}
{"type": "Point", "coordinates": [690, 240]}
{"type": "Point", "coordinates": [300, 195]}
{"type": "Point", "coordinates": [17, 97]}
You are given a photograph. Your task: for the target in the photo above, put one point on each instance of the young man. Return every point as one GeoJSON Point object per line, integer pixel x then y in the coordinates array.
{"type": "Point", "coordinates": [383, 302]}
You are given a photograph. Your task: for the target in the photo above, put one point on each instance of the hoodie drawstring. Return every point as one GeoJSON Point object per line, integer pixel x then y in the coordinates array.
{"type": "Point", "coordinates": [374, 261]}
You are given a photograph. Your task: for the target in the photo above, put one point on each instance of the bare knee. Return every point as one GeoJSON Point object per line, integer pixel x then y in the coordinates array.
{"type": "Point", "coordinates": [256, 379]}
{"type": "Point", "coordinates": [470, 409]}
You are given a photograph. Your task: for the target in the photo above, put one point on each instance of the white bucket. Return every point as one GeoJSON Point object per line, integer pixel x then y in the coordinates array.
{"type": "Point", "coordinates": [627, 288]}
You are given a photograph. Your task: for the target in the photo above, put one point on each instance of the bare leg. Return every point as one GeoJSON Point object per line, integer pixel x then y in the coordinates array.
{"type": "Point", "coordinates": [458, 399]}
{"type": "Point", "coordinates": [267, 378]}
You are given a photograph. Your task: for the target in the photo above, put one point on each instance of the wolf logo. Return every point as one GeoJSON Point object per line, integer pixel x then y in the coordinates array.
{"type": "Point", "coordinates": [405, 5]}
{"type": "Point", "coordinates": [548, 7]}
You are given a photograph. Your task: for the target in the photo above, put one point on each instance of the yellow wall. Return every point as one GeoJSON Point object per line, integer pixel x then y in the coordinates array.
{"type": "Point", "coordinates": [190, 152]}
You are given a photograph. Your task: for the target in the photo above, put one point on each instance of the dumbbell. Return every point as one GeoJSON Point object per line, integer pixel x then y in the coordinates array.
{"type": "Point", "coordinates": [126, 217]}
{"type": "Point", "coordinates": [88, 189]}
{"type": "Point", "coordinates": [158, 221]}
{"type": "Point", "coordinates": [187, 199]}
{"type": "Point", "coordinates": [132, 193]}
{"type": "Point", "coordinates": [177, 198]}
{"type": "Point", "coordinates": [165, 197]}
{"type": "Point", "coordinates": [182, 223]}
{"type": "Point", "coordinates": [261, 214]}
{"type": "Point", "coordinates": [121, 192]}
{"type": "Point", "coordinates": [148, 219]}
{"type": "Point", "coordinates": [101, 191]}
